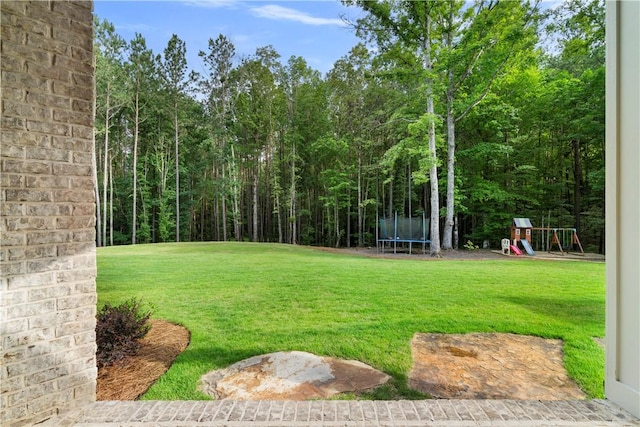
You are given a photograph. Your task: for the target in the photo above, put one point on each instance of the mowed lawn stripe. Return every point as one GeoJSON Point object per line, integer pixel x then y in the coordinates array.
{"type": "Point", "coordinates": [243, 299]}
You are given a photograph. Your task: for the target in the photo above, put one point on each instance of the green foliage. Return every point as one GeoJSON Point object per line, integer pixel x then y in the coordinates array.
{"type": "Point", "coordinates": [470, 246]}
{"type": "Point", "coordinates": [244, 299]}
{"type": "Point", "coordinates": [119, 330]}
{"type": "Point", "coordinates": [166, 222]}
{"type": "Point", "coordinates": [271, 150]}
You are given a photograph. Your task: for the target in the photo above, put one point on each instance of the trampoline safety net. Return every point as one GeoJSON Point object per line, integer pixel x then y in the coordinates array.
{"type": "Point", "coordinates": [407, 229]}
{"type": "Point", "coordinates": [403, 230]}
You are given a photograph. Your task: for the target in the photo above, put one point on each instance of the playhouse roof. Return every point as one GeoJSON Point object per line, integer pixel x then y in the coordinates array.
{"type": "Point", "coordinates": [522, 223]}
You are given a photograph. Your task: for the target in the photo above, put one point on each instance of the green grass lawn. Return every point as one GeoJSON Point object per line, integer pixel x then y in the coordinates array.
{"type": "Point", "coordinates": [243, 299]}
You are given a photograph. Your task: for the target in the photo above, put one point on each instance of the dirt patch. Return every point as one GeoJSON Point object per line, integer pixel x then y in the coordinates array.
{"type": "Point", "coordinates": [490, 366]}
{"type": "Point", "coordinates": [131, 377]}
{"type": "Point", "coordinates": [416, 253]}
{"type": "Point", "coordinates": [461, 254]}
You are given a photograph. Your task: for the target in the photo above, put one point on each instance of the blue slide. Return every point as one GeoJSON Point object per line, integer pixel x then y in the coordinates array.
{"type": "Point", "coordinates": [527, 247]}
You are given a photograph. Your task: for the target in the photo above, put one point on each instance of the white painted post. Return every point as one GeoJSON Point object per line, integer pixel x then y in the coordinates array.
{"type": "Point", "coordinates": [622, 384]}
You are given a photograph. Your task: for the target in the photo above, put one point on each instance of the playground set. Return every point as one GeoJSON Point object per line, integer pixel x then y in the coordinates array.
{"type": "Point", "coordinates": [524, 234]}
{"type": "Point", "coordinates": [400, 231]}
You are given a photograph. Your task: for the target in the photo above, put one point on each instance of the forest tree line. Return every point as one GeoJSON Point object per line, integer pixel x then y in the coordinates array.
{"type": "Point", "coordinates": [469, 113]}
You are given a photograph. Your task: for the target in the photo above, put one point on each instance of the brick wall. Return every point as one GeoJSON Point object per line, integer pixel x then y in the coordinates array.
{"type": "Point", "coordinates": [47, 250]}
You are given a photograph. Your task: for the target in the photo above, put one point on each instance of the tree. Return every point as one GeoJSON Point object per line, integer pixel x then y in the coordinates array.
{"type": "Point", "coordinates": [303, 123]}
{"type": "Point", "coordinates": [216, 87]}
{"type": "Point", "coordinates": [141, 68]}
{"type": "Point", "coordinates": [352, 103]}
{"type": "Point", "coordinates": [174, 68]}
{"type": "Point", "coordinates": [110, 98]}
{"type": "Point", "coordinates": [580, 27]}
{"type": "Point", "coordinates": [480, 43]}
{"type": "Point", "coordinates": [279, 153]}
{"type": "Point", "coordinates": [408, 28]}
{"type": "Point", "coordinates": [332, 158]}
{"type": "Point", "coordinates": [257, 112]}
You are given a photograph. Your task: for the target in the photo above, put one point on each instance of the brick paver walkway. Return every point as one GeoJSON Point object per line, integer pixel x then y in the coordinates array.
{"type": "Point", "coordinates": [333, 413]}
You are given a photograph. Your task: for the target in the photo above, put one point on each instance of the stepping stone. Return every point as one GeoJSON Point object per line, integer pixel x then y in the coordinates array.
{"type": "Point", "coordinates": [294, 375]}
{"type": "Point", "coordinates": [490, 366]}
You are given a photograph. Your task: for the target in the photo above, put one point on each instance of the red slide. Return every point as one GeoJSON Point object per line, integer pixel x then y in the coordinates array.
{"type": "Point", "coordinates": [515, 250]}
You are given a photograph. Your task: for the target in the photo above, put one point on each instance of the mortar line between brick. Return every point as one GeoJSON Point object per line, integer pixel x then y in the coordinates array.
{"type": "Point", "coordinates": [215, 415]}
{"type": "Point", "coordinates": [244, 410]}
{"type": "Point", "coordinates": [133, 415]}
{"type": "Point", "coordinates": [467, 404]}
{"type": "Point", "coordinates": [177, 412]}
{"type": "Point", "coordinates": [193, 407]}
{"type": "Point", "coordinates": [233, 407]}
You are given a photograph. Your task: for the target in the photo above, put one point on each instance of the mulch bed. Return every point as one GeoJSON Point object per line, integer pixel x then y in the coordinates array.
{"type": "Point", "coordinates": [131, 377]}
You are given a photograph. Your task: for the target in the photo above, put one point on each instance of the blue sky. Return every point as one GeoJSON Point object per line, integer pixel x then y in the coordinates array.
{"type": "Point", "coordinates": [311, 29]}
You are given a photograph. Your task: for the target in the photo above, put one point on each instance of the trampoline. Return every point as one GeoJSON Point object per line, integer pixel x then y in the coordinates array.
{"type": "Point", "coordinates": [402, 230]}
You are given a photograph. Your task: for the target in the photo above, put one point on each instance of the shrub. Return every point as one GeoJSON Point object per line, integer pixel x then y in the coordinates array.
{"type": "Point", "coordinates": [119, 329]}
{"type": "Point", "coordinates": [470, 246]}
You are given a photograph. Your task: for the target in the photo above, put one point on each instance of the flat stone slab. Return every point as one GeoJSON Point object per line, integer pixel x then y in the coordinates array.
{"type": "Point", "coordinates": [490, 366]}
{"type": "Point", "coordinates": [294, 375]}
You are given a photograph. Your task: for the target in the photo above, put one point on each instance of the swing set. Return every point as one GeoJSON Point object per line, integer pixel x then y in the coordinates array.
{"type": "Point", "coordinates": [564, 239]}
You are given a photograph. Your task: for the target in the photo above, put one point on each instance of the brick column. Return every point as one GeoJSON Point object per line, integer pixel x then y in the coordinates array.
{"type": "Point", "coordinates": [47, 208]}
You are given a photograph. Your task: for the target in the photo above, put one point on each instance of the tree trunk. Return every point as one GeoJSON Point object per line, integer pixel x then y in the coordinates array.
{"type": "Point", "coordinates": [336, 220]}
{"type": "Point", "coordinates": [390, 208]}
{"type": "Point", "coordinates": [136, 125]}
{"type": "Point", "coordinates": [408, 198]}
{"type": "Point", "coordinates": [233, 172]}
{"type": "Point", "coordinates": [577, 180]}
{"type": "Point", "coordinates": [277, 190]}
{"type": "Point", "coordinates": [255, 206]}
{"type": "Point", "coordinates": [433, 157]}
{"type": "Point", "coordinates": [451, 148]}
{"type": "Point", "coordinates": [292, 199]}
{"type": "Point", "coordinates": [176, 140]}
{"type": "Point", "coordinates": [360, 201]}
{"type": "Point", "coordinates": [279, 219]}
{"type": "Point", "coordinates": [94, 163]}
{"type": "Point", "coordinates": [105, 170]}
{"type": "Point", "coordinates": [224, 204]}
{"type": "Point", "coordinates": [348, 225]}
{"type": "Point", "coordinates": [110, 204]}
{"type": "Point", "coordinates": [451, 143]}
{"type": "Point", "coordinates": [455, 233]}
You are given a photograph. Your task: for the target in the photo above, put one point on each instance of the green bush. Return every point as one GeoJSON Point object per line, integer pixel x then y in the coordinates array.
{"type": "Point", "coordinates": [470, 246]}
{"type": "Point", "coordinates": [119, 330]}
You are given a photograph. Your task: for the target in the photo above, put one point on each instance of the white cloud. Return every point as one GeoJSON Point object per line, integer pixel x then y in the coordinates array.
{"type": "Point", "coordinates": [212, 4]}
{"type": "Point", "coordinates": [280, 13]}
